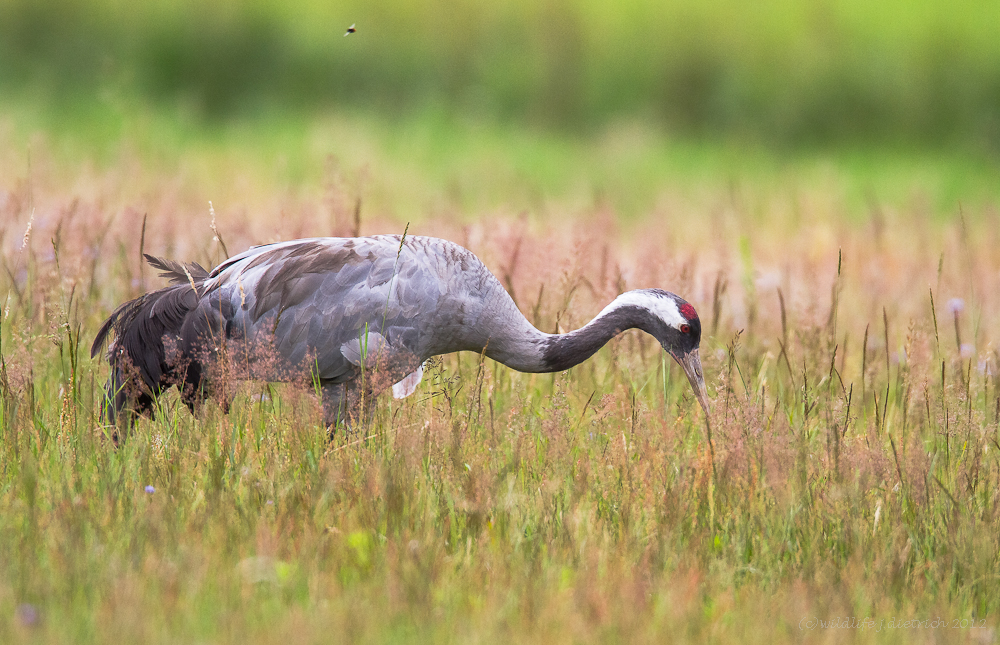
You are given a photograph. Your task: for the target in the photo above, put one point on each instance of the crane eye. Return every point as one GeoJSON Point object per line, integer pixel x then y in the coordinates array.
{"type": "Point", "coordinates": [685, 328]}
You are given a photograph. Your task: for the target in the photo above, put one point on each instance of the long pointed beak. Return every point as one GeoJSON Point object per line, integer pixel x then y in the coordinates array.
{"type": "Point", "coordinates": [691, 362]}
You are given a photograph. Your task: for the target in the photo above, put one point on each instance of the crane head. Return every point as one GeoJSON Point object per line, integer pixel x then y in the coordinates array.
{"type": "Point", "coordinates": [678, 330]}
{"type": "Point", "coordinates": [682, 342]}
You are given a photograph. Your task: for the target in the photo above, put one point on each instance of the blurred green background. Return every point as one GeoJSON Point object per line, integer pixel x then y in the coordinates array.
{"type": "Point", "coordinates": [782, 73]}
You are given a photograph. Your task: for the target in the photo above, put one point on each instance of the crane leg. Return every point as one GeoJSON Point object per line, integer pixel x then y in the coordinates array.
{"type": "Point", "coordinates": [344, 406]}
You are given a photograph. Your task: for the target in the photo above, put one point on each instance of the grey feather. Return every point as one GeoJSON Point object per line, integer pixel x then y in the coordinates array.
{"type": "Point", "coordinates": [177, 272]}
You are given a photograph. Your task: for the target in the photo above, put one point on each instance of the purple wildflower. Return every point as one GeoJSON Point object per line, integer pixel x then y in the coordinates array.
{"type": "Point", "coordinates": [28, 615]}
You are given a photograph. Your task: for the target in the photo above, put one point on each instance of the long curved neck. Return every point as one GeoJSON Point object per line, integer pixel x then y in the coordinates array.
{"type": "Point", "coordinates": [527, 349]}
{"type": "Point", "coordinates": [563, 351]}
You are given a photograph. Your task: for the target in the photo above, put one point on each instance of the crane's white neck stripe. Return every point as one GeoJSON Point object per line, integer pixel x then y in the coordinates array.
{"type": "Point", "coordinates": [664, 307]}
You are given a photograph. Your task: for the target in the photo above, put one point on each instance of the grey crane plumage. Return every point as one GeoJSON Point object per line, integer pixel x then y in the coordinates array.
{"type": "Point", "coordinates": [357, 315]}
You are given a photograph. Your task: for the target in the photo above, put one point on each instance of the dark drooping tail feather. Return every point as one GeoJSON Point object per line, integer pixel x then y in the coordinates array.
{"type": "Point", "coordinates": [140, 365]}
{"type": "Point", "coordinates": [177, 272]}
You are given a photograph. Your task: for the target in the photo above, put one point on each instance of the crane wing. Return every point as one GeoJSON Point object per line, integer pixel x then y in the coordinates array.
{"type": "Point", "coordinates": [333, 307]}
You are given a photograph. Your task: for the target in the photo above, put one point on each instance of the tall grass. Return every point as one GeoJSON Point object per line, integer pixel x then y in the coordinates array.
{"type": "Point", "coordinates": [855, 419]}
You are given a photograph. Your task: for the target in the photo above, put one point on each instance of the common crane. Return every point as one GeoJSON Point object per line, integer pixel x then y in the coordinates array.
{"type": "Point", "coordinates": [357, 315]}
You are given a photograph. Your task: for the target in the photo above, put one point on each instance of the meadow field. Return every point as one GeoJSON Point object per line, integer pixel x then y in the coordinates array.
{"type": "Point", "coordinates": [850, 310]}
{"type": "Point", "coordinates": [820, 180]}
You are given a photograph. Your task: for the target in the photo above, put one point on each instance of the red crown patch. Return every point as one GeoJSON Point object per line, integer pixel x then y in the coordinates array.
{"type": "Point", "coordinates": [688, 311]}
